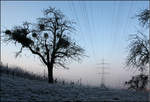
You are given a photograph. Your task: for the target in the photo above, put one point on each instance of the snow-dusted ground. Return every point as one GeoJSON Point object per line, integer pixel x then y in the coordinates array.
{"type": "Point", "coordinates": [25, 90]}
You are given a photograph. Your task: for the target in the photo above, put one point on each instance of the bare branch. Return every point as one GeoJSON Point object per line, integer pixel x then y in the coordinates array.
{"type": "Point", "coordinates": [35, 52]}
{"type": "Point", "coordinates": [19, 52]}
{"type": "Point", "coordinates": [138, 51]}
{"type": "Point", "coordinates": [144, 17]}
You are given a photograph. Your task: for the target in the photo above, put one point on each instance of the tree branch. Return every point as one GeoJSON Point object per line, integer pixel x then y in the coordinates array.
{"type": "Point", "coordinates": [35, 52]}
{"type": "Point", "coordinates": [47, 51]}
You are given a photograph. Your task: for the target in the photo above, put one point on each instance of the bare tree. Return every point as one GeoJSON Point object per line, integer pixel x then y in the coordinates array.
{"type": "Point", "coordinates": [138, 56]}
{"type": "Point", "coordinates": [49, 38]}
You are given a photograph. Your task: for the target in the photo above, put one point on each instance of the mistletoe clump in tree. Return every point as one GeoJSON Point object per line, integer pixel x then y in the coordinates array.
{"type": "Point", "coordinates": [49, 39]}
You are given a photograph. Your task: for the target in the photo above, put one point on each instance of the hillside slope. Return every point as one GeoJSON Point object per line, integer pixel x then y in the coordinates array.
{"type": "Point", "coordinates": [18, 89]}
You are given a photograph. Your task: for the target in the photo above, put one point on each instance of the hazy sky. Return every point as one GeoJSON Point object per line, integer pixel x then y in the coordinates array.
{"type": "Point", "coordinates": [103, 29]}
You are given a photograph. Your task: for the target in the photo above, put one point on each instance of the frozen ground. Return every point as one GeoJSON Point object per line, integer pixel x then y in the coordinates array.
{"type": "Point", "coordinates": [18, 89]}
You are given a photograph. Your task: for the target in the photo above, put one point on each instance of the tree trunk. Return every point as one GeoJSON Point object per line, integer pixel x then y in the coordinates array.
{"type": "Point", "coordinates": [50, 74]}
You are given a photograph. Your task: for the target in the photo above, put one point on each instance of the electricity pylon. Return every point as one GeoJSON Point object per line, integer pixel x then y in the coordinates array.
{"type": "Point", "coordinates": [103, 73]}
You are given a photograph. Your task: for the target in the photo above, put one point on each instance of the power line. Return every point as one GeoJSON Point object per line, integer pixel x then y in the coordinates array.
{"type": "Point", "coordinates": [86, 19]}
{"type": "Point", "coordinates": [85, 14]}
{"type": "Point", "coordinates": [73, 9]}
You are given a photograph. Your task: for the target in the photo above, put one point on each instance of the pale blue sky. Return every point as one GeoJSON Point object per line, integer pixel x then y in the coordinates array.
{"type": "Point", "coordinates": [103, 28]}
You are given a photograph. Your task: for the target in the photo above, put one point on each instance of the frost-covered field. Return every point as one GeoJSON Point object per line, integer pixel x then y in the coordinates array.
{"type": "Point", "coordinates": [25, 90]}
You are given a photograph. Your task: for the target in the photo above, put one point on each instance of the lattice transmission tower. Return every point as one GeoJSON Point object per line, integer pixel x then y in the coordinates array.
{"type": "Point", "coordinates": [102, 73]}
